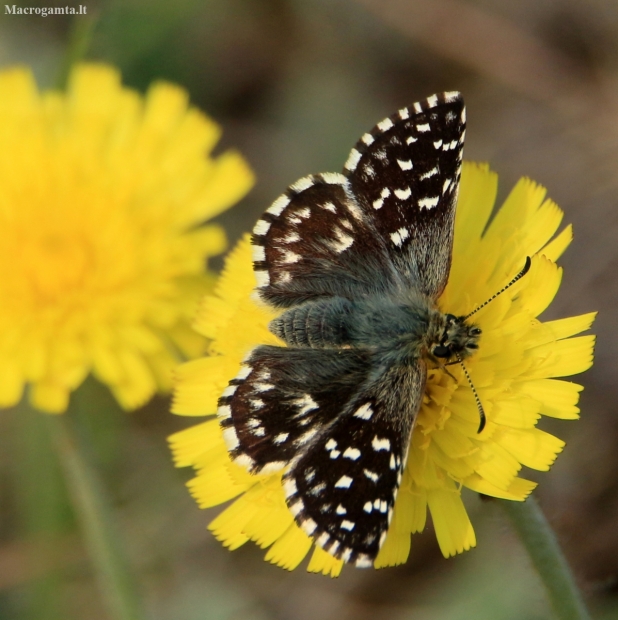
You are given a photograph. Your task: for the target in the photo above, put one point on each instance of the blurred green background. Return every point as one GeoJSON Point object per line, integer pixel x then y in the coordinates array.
{"type": "Point", "coordinates": [294, 84]}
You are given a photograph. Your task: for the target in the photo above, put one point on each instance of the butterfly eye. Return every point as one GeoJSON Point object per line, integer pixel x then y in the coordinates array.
{"type": "Point", "coordinates": [471, 345]}
{"type": "Point", "coordinates": [451, 318]}
{"type": "Point", "coordinates": [475, 331]}
{"type": "Point", "coordinates": [441, 351]}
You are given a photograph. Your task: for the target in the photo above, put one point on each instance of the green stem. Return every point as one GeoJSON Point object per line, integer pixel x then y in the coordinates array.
{"type": "Point", "coordinates": [540, 541]}
{"type": "Point", "coordinates": [80, 36]}
{"type": "Point", "coordinates": [95, 518]}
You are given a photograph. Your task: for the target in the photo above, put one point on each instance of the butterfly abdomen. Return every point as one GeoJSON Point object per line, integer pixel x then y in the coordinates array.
{"type": "Point", "coordinates": [316, 324]}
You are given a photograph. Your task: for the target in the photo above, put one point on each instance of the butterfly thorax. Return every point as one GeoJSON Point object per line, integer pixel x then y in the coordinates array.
{"type": "Point", "coordinates": [400, 327]}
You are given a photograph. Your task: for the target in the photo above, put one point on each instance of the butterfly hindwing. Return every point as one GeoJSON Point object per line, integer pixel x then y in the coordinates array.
{"type": "Point", "coordinates": [405, 174]}
{"type": "Point", "coordinates": [314, 241]}
{"type": "Point", "coordinates": [342, 488]}
{"type": "Point", "coordinates": [281, 398]}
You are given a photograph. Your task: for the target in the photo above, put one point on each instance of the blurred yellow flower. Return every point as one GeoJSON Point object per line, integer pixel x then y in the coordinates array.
{"type": "Point", "coordinates": [102, 261]}
{"type": "Point", "coordinates": [513, 371]}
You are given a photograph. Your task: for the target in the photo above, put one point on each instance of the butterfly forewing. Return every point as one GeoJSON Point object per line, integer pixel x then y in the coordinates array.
{"type": "Point", "coordinates": [342, 489]}
{"type": "Point", "coordinates": [405, 175]}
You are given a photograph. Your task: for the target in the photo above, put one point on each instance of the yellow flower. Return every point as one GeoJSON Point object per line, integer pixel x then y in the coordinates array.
{"type": "Point", "coordinates": [513, 371]}
{"type": "Point", "coordinates": [101, 257]}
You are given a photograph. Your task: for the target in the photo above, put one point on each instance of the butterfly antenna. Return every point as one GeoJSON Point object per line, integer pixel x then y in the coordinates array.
{"type": "Point", "coordinates": [519, 276]}
{"type": "Point", "coordinates": [476, 396]}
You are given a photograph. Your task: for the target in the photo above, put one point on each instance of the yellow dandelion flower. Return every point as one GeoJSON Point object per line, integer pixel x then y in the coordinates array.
{"type": "Point", "coordinates": [102, 192]}
{"type": "Point", "coordinates": [514, 372]}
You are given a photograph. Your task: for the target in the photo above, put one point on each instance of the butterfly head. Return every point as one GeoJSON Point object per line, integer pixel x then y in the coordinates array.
{"type": "Point", "coordinates": [454, 337]}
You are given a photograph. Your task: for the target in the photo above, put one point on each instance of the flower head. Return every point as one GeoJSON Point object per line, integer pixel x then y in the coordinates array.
{"type": "Point", "coordinates": [101, 257]}
{"type": "Point", "coordinates": [514, 373]}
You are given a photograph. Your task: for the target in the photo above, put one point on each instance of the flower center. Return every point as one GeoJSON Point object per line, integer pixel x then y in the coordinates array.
{"type": "Point", "coordinates": [55, 263]}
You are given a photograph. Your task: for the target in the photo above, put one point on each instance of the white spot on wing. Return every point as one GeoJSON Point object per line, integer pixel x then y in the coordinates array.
{"type": "Point", "coordinates": [329, 206]}
{"type": "Point", "coordinates": [345, 482]}
{"type": "Point", "coordinates": [385, 125]}
{"type": "Point", "coordinates": [302, 184]}
{"type": "Point", "coordinates": [229, 390]}
{"type": "Point", "coordinates": [281, 437]}
{"type": "Point", "coordinates": [432, 101]}
{"type": "Point", "coordinates": [351, 453]}
{"type": "Point", "coordinates": [343, 241]}
{"type": "Point", "coordinates": [411, 140]}
{"type": "Point", "coordinates": [305, 404]}
{"type": "Point", "coordinates": [371, 475]}
{"type": "Point", "coordinates": [364, 412]}
{"type": "Point", "coordinates": [347, 525]}
{"type": "Point", "coordinates": [261, 228]}
{"type": "Point", "coordinates": [437, 144]}
{"type": "Point", "coordinates": [258, 253]}
{"type": "Point", "coordinates": [340, 510]}
{"type": "Point", "coordinates": [244, 460]}
{"type": "Point", "coordinates": [405, 164]}
{"type": "Point", "coordinates": [379, 203]}
{"type": "Point", "coordinates": [367, 507]}
{"type": "Point", "coordinates": [309, 526]}
{"type": "Point", "coordinates": [429, 174]}
{"type": "Point", "coordinates": [303, 439]}
{"type": "Point", "coordinates": [289, 487]}
{"type": "Point", "coordinates": [367, 139]}
{"type": "Point", "coordinates": [334, 178]}
{"type": "Point", "coordinates": [277, 207]}
{"type": "Point", "coordinates": [290, 257]}
{"type": "Point", "coordinates": [400, 236]}
{"type": "Point", "coordinates": [244, 372]}
{"type": "Point", "coordinates": [403, 194]}
{"type": "Point", "coordinates": [423, 127]}
{"type": "Point", "coordinates": [417, 108]}
{"type": "Point", "coordinates": [354, 210]}
{"type": "Point", "coordinates": [446, 185]}
{"type": "Point", "coordinates": [353, 160]}
{"type": "Point", "coordinates": [380, 444]}
{"type": "Point", "coordinates": [297, 507]}
{"type": "Point", "coordinates": [428, 203]}
{"type": "Point", "coordinates": [230, 438]}
{"type": "Point", "coordinates": [262, 278]}
{"type": "Point", "coordinates": [271, 468]}
{"type": "Point", "coordinates": [224, 411]}
{"type": "Point", "coordinates": [331, 444]}
{"type": "Point", "coordinates": [363, 561]}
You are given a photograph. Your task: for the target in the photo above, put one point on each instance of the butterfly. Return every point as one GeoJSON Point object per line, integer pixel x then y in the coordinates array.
{"type": "Point", "coordinates": [355, 262]}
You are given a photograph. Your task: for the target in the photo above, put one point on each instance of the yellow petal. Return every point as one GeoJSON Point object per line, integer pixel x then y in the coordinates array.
{"type": "Point", "coordinates": [518, 490]}
{"type": "Point", "coordinates": [557, 399]}
{"type": "Point", "coordinates": [531, 447]}
{"type": "Point", "coordinates": [325, 563]}
{"type": "Point", "coordinates": [289, 550]}
{"type": "Point", "coordinates": [451, 522]}
{"type": "Point", "coordinates": [187, 445]}
{"type": "Point", "coordinates": [562, 358]}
